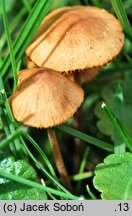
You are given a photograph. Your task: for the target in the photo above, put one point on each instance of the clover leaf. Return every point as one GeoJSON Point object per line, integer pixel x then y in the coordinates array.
{"type": "Point", "coordinates": [113, 178]}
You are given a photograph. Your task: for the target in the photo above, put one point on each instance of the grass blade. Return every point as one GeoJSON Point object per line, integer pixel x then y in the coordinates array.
{"type": "Point", "coordinates": [36, 185]}
{"type": "Point", "coordinates": [90, 193]}
{"type": "Point", "coordinates": [5, 101]}
{"type": "Point", "coordinates": [1, 59]}
{"type": "Point", "coordinates": [8, 37]}
{"type": "Point", "coordinates": [40, 166]}
{"type": "Point", "coordinates": [118, 126]}
{"type": "Point", "coordinates": [81, 176]}
{"type": "Point", "coordinates": [45, 159]}
{"type": "Point", "coordinates": [9, 127]}
{"type": "Point", "coordinates": [121, 14]}
{"type": "Point", "coordinates": [3, 115]}
{"type": "Point", "coordinates": [82, 167]}
{"type": "Point", "coordinates": [87, 138]}
{"type": "Point", "coordinates": [31, 25]}
{"type": "Point", "coordinates": [9, 139]}
{"type": "Point", "coordinates": [13, 25]}
{"type": "Point", "coordinates": [27, 5]}
{"type": "Point", "coordinates": [119, 145]}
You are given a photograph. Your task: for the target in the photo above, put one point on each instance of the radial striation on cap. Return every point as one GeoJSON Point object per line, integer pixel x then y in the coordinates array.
{"type": "Point", "coordinates": [76, 38]}
{"type": "Point", "coordinates": [45, 98]}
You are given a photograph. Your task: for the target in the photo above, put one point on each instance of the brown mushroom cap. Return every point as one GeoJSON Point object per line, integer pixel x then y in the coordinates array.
{"type": "Point", "coordinates": [76, 38]}
{"type": "Point", "coordinates": [45, 98]}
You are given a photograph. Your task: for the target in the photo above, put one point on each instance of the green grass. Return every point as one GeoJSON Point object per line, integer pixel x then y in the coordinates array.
{"type": "Point", "coordinates": [38, 186]}
{"type": "Point", "coordinates": [12, 57]}
{"type": "Point", "coordinates": [118, 126]}
{"type": "Point", "coordinates": [27, 5]}
{"type": "Point", "coordinates": [122, 16]}
{"type": "Point", "coordinates": [31, 145]}
{"type": "Point", "coordinates": [32, 23]}
{"type": "Point", "coordinates": [87, 138]}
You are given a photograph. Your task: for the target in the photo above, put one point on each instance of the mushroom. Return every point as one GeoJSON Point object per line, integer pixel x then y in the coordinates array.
{"type": "Point", "coordinates": [43, 99]}
{"type": "Point", "coordinates": [79, 38]}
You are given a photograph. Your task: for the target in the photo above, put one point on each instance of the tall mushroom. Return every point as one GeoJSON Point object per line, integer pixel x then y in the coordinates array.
{"type": "Point", "coordinates": [76, 38]}
{"type": "Point", "coordinates": [43, 99]}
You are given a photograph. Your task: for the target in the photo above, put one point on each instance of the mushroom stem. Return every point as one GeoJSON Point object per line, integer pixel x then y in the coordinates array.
{"type": "Point", "coordinates": [58, 159]}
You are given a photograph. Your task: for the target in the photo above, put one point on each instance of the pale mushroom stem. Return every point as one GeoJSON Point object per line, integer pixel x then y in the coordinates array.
{"type": "Point", "coordinates": [58, 159]}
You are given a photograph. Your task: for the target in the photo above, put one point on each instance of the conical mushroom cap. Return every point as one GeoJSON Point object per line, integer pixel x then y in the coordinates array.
{"type": "Point", "coordinates": [45, 98]}
{"type": "Point", "coordinates": [76, 38]}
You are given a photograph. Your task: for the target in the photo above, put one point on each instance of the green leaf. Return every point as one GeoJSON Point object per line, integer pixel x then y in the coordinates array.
{"type": "Point", "coordinates": [113, 178]}
{"type": "Point", "coordinates": [10, 190]}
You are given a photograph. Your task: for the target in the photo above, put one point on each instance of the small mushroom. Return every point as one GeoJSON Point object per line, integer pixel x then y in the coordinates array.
{"type": "Point", "coordinates": [76, 39]}
{"type": "Point", "coordinates": [43, 99]}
